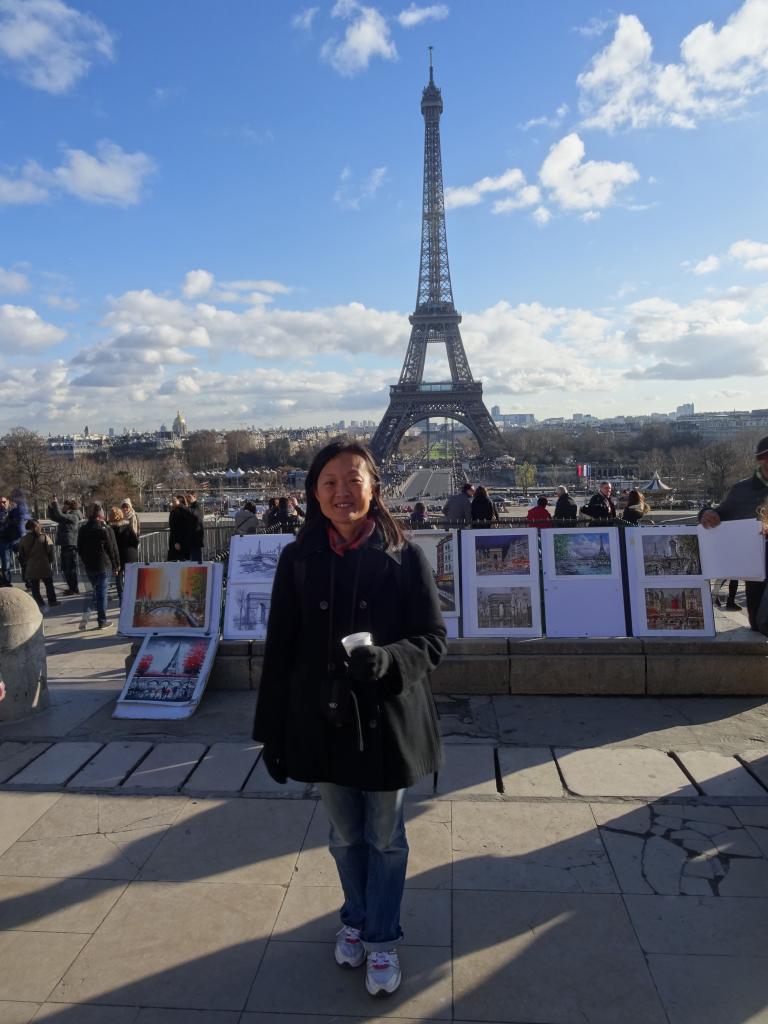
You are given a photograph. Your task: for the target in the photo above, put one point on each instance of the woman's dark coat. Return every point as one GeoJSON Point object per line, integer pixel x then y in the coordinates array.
{"type": "Point", "coordinates": [182, 531]}
{"type": "Point", "coordinates": [127, 542]}
{"type": "Point", "coordinates": [483, 510]}
{"type": "Point", "coordinates": [317, 598]}
{"type": "Point", "coordinates": [565, 507]}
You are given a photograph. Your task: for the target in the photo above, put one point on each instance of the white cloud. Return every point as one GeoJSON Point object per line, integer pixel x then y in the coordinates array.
{"type": "Point", "coordinates": [112, 176]}
{"type": "Point", "coordinates": [303, 20]}
{"type": "Point", "coordinates": [197, 282]}
{"type": "Point", "coordinates": [22, 189]}
{"type": "Point", "coordinates": [577, 184]}
{"type": "Point", "coordinates": [61, 301]}
{"type": "Point", "coordinates": [548, 122]}
{"type": "Point", "coordinates": [753, 255]}
{"type": "Point", "coordinates": [22, 329]}
{"type": "Point", "coordinates": [367, 36]}
{"type": "Point", "coordinates": [717, 73]}
{"type": "Point", "coordinates": [11, 281]}
{"type": "Point", "coordinates": [48, 45]}
{"type": "Point", "coordinates": [351, 196]}
{"type": "Point", "coordinates": [706, 266]}
{"type": "Point", "coordinates": [594, 27]}
{"type": "Point", "coordinates": [527, 196]}
{"type": "Point", "coordinates": [415, 15]}
{"type": "Point", "coordinates": [511, 180]}
{"type": "Point", "coordinates": [542, 215]}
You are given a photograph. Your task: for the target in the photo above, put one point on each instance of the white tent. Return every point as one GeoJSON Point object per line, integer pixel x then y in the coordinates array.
{"type": "Point", "coordinates": [655, 485]}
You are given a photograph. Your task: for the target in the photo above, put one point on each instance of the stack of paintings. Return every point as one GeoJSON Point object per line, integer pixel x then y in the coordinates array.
{"type": "Point", "coordinates": [176, 607]}
{"type": "Point", "coordinates": [583, 594]}
{"type": "Point", "coordinates": [669, 594]}
{"type": "Point", "coordinates": [500, 583]}
{"type": "Point", "coordinates": [440, 548]}
{"type": "Point", "coordinates": [252, 563]}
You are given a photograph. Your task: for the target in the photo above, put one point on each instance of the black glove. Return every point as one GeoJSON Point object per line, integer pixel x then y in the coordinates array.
{"type": "Point", "coordinates": [367, 663]}
{"type": "Point", "coordinates": [275, 764]}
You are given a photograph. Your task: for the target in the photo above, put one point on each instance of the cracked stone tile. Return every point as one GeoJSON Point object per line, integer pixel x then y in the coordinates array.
{"type": "Point", "coordinates": [529, 846]}
{"type": "Point", "coordinates": [756, 821]}
{"type": "Point", "coordinates": [681, 850]}
{"type": "Point", "coordinates": [712, 989]}
{"type": "Point", "coordinates": [467, 717]}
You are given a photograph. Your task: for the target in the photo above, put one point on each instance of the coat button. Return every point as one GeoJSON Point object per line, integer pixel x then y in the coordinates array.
{"type": "Point", "coordinates": [331, 666]}
{"type": "Point", "coordinates": [363, 605]}
{"type": "Point", "coordinates": [373, 724]}
{"type": "Point", "coordinates": [324, 605]}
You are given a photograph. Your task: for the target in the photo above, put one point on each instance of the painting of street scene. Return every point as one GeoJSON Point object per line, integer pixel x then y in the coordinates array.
{"type": "Point", "coordinates": [671, 555]}
{"type": "Point", "coordinates": [246, 613]}
{"type": "Point", "coordinates": [673, 608]}
{"type": "Point", "coordinates": [168, 669]}
{"type": "Point", "coordinates": [504, 608]}
{"type": "Point", "coordinates": [582, 554]}
{"type": "Point", "coordinates": [171, 596]}
{"type": "Point", "coordinates": [253, 557]}
{"type": "Point", "coordinates": [503, 554]}
{"type": "Point", "coordinates": [440, 551]}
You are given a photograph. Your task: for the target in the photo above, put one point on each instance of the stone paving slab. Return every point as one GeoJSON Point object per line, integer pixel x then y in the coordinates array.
{"type": "Point", "coordinates": [622, 771]}
{"type": "Point", "coordinates": [296, 982]}
{"type": "Point", "coordinates": [700, 925]}
{"type": "Point", "coordinates": [152, 950]}
{"type": "Point", "coordinates": [224, 769]}
{"type": "Point", "coordinates": [56, 765]}
{"type": "Point", "coordinates": [19, 811]}
{"type": "Point", "coordinates": [719, 774]}
{"type": "Point", "coordinates": [31, 963]}
{"type": "Point", "coordinates": [110, 766]}
{"type": "Point", "coordinates": [15, 756]}
{"type": "Point", "coordinates": [468, 770]}
{"type": "Point", "coordinates": [682, 850]}
{"type": "Point", "coordinates": [712, 989]}
{"type": "Point", "coordinates": [166, 768]}
{"type": "Point", "coordinates": [56, 905]}
{"type": "Point", "coordinates": [757, 759]}
{"type": "Point", "coordinates": [261, 783]}
{"type": "Point", "coordinates": [77, 1013]}
{"type": "Point", "coordinates": [557, 958]}
{"type": "Point", "coordinates": [529, 772]}
{"type": "Point", "coordinates": [17, 1013]}
{"type": "Point", "coordinates": [756, 821]}
{"type": "Point", "coordinates": [529, 847]}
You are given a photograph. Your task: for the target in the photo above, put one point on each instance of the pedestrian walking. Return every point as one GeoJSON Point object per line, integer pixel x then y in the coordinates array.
{"type": "Point", "coordinates": [358, 721]}
{"type": "Point", "coordinates": [198, 537]}
{"type": "Point", "coordinates": [127, 545]}
{"type": "Point", "coordinates": [36, 559]}
{"type": "Point", "coordinates": [68, 519]}
{"type": "Point", "coordinates": [182, 530]}
{"type": "Point", "coordinates": [98, 550]}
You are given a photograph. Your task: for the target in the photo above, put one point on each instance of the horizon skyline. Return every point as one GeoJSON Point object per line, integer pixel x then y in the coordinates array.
{"type": "Point", "coordinates": [228, 220]}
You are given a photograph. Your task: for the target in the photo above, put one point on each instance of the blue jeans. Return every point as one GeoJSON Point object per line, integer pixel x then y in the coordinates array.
{"type": "Point", "coordinates": [6, 550]}
{"type": "Point", "coordinates": [97, 599]}
{"type": "Point", "coordinates": [368, 843]}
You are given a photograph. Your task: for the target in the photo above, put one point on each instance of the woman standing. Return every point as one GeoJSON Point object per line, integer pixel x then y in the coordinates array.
{"type": "Point", "coordinates": [362, 726]}
{"type": "Point", "coordinates": [182, 527]}
{"type": "Point", "coordinates": [127, 545]}
{"type": "Point", "coordinates": [635, 508]}
{"type": "Point", "coordinates": [36, 559]}
{"type": "Point", "coordinates": [483, 510]}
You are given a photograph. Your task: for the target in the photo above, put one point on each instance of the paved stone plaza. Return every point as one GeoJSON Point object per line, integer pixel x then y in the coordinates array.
{"type": "Point", "coordinates": [578, 859]}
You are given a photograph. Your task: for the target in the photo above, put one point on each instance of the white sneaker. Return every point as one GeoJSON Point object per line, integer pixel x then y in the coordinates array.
{"type": "Point", "coordinates": [383, 974]}
{"type": "Point", "coordinates": [349, 950]}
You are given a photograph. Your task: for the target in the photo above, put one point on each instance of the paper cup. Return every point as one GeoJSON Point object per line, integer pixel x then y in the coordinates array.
{"type": "Point", "coordinates": [349, 643]}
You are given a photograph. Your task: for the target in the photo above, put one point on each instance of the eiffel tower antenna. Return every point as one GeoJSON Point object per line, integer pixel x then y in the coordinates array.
{"type": "Point", "coordinates": [434, 320]}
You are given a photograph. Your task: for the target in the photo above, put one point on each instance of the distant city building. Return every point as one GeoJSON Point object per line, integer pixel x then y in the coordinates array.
{"type": "Point", "coordinates": [179, 427]}
{"type": "Point", "coordinates": [684, 410]}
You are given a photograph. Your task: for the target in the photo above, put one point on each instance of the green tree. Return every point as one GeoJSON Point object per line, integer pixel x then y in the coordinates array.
{"type": "Point", "coordinates": [525, 476]}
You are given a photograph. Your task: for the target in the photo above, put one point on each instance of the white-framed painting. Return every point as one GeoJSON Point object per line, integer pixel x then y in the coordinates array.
{"type": "Point", "coordinates": [674, 609]}
{"type": "Point", "coordinates": [168, 677]}
{"type": "Point", "coordinates": [501, 595]}
{"type": "Point", "coordinates": [665, 551]}
{"type": "Point", "coordinates": [583, 589]}
{"type": "Point", "coordinates": [441, 550]}
{"type": "Point", "coordinates": [253, 557]}
{"type": "Point", "coordinates": [246, 611]}
{"type": "Point", "coordinates": [171, 597]}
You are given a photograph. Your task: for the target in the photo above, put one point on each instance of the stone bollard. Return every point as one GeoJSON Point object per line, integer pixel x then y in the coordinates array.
{"type": "Point", "coordinates": [22, 656]}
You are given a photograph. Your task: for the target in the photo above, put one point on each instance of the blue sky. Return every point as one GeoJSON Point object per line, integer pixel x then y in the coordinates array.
{"type": "Point", "coordinates": [217, 206]}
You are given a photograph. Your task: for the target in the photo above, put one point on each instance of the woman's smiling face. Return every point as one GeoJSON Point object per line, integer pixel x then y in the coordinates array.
{"type": "Point", "coordinates": [344, 491]}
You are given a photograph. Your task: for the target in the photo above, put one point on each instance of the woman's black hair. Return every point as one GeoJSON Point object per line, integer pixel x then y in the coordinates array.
{"type": "Point", "coordinates": [393, 535]}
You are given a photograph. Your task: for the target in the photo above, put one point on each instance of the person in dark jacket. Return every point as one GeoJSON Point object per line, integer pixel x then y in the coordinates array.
{"type": "Point", "coordinates": [600, 506]}
{"type": "Point", "coordinates": [13, 516]}
{"type": "Point", "coordinates": [362, 726]}
{"type": "Point", "coordinates": [482, 510]}
{"type": "Point", "coordinates": [635, 508]}
{"type": "Point", "coordinates": [68, 518]}
{"type": "Point", "coordinates": [565, 506]}
{"type": "Point", "coordinates": [418, 518]}
{"type": "Point", "coordinates": [747, 499]}
{"type": "Point", "coordinates": [97, 548]}
{"type": "Point", "coordinates": [182, 526]}
{"type": "Point", "coordinates": [36, 558]}
{"type": "Point", "coordinates": [198, 540]}
{"type": "Point", "coordinates": [127, 545]}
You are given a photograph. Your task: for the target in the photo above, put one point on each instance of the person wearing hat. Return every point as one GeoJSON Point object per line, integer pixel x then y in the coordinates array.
{"type": "Point", "coordinates": [745, 500]}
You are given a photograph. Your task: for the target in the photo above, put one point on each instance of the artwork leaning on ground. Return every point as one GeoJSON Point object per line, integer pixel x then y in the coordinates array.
{"type": "Point", "coordinates": [167, 678]}
{"type": "Point", "coordinates": [253, 558]}
{"type": "Point", "coordinates": [170, 597]}
{"type": "Point", "coordinates": [440, 548]}
{"type": "Point", "coordinates": [584, 553]}
{"type": "Point", "coordinates": [246, 612]}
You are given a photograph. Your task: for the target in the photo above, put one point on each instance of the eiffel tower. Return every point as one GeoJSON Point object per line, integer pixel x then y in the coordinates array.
{"type": "Point", "coordinates": [435, 320]}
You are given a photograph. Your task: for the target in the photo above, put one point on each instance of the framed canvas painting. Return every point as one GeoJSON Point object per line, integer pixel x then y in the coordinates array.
{"type": "Point", "coordinates": [253, 557]}
{"type": "Point", "coordinates": [441, 550]}
{"type": "Point", "coordinates": [501, 595]}
{"type": "Point", "coordinates": [168, 677]}
{"type": "Point", "coordinates": [583, 589]}
{"type": "Point", "coordinates": [246, 612]}
{"type": "Point", "coordinates": [676, 610]}
{"type": "Point", "coordinates": [170, 597]}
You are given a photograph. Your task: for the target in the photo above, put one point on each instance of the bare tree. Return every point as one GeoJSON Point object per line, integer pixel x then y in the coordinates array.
{"type": "Point", "coordinates": [28, 465]}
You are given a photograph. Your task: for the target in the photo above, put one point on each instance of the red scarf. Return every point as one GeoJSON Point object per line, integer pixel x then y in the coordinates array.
{"type": "Point", "coordinates": [339, 546]}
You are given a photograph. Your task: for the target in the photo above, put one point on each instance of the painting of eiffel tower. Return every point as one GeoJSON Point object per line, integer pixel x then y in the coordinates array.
{"type": "Point", "coordinates": [434, 320]}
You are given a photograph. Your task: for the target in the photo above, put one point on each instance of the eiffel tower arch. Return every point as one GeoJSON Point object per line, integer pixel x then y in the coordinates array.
{"type": "Point", "coordinates": [434, 320]}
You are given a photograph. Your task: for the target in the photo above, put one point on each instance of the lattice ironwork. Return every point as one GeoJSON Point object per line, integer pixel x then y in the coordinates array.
{"type": "Point", "coordinates": [435, 320]}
